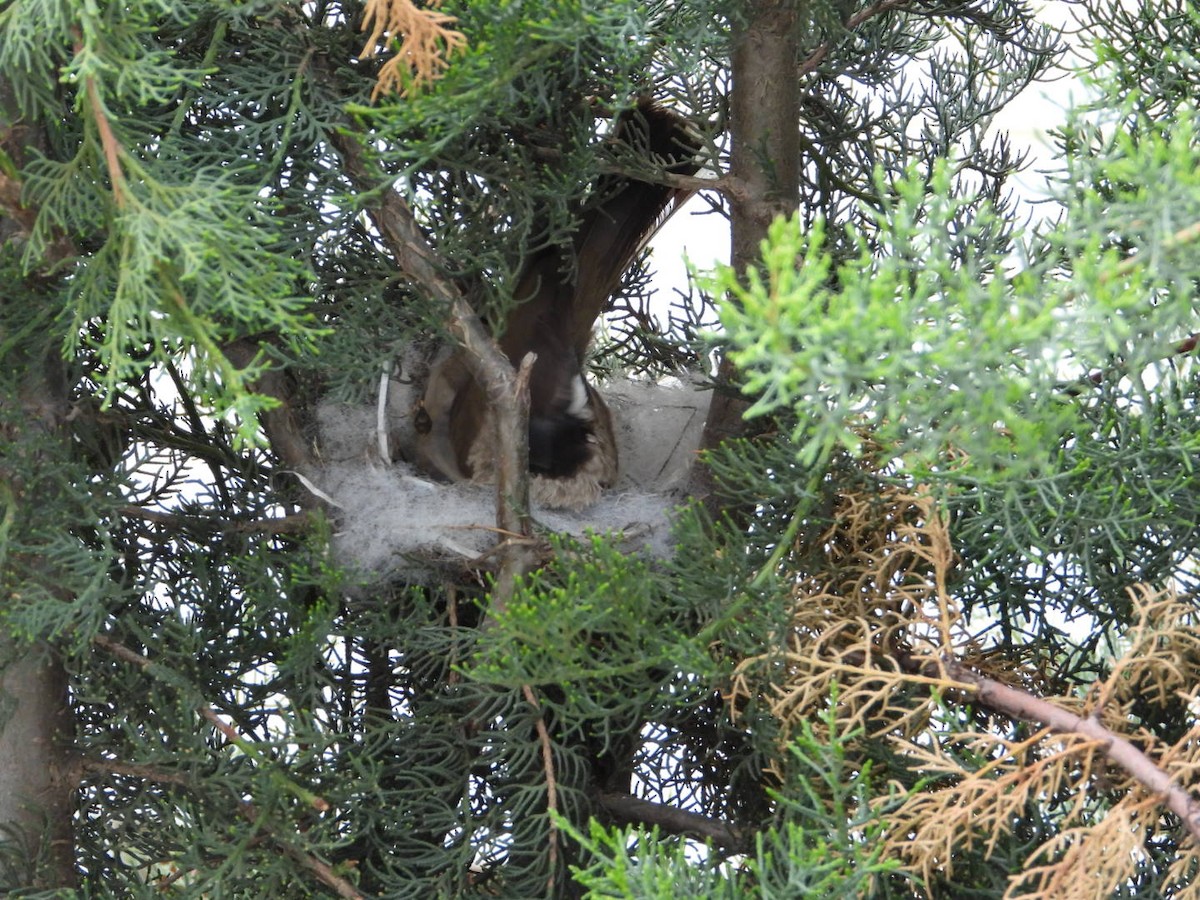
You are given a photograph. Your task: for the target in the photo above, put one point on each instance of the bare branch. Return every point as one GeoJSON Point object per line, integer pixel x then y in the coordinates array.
{"type": "Point", "coordinates": [1019, 704]}
{"type": "Point", "coordinates": [725, 184]}
{"type": "Point", "coordinates": [551, 782]}
{"type": "Point", "coordinates": [631, 810]}
{"type": "Point", "coordinates": [292, 524]}
{"type": "Point", "coordinates": [114, 767]}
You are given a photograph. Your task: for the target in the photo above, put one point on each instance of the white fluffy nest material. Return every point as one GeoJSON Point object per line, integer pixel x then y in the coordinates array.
{"type": "Point", "coordinates": [391, 517]}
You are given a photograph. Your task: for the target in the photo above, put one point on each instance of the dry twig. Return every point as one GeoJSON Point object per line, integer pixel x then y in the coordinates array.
{"type": "Point", "coordinates": [551, 783]}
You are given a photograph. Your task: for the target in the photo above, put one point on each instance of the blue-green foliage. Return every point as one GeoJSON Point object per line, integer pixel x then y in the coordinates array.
{"type": "Point", "coordinates": [945, 343]}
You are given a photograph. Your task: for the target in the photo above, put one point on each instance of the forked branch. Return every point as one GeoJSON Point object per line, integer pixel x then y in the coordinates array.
{"type": "Point", "coordinates": [416, 258]}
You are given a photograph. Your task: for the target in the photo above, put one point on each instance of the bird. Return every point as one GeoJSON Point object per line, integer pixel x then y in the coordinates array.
{"type": "Point", "coordinates": [560, 292]}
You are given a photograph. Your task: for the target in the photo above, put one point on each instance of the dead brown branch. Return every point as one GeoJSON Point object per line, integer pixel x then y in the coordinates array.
{"type": "Point", "coordinates": [875, 622]}
{"type": "Point", "coordinates": [551, 783]}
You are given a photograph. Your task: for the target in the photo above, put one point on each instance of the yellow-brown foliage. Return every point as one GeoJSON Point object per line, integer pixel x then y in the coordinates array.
{"type": "Point", "coordinates": [426, 43]}
{"type": "Point", "coordinates": [877, 627]}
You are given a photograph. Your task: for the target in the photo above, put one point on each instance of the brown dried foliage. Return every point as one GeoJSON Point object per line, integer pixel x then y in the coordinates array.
{"type": "Point", "coordinates": [427, 41]}
{"type": "Point", "coordinates": [877, 627]}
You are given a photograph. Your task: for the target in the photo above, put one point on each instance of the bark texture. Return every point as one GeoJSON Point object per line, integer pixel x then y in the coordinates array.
{"type": "Point", "coordinates": [764, 173]}
{"type": "Point", "coordinates": [37, 783]}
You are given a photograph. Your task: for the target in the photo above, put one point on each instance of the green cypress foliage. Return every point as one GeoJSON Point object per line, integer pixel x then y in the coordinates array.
{"type": "Point", "coordinates": [967, 474]}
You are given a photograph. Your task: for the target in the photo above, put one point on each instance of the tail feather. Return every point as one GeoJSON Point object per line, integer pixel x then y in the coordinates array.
{"type": "Point", "coordinates": [629, 212]}
{"type": "Point", "coordinates": [554, 318]}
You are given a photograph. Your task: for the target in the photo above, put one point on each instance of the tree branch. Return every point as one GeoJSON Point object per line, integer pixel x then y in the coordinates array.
{"type": "Point", "coordinates": [1019, 704]}
{"type": "Point", "coordinates": [320, 870]}
{"type": "Point", "coordinates": [84, 764]}
{"type": "Point", "coordinates": [297, 523]}
{"type": "Point", "coordinates": [818, 55]}
{"type": "Point", "coordinates": [491, 368]}
{"type": "Point", "coordinates": [248, 747]}
{"type": "Point", "coordinates": [630, 810]}
{"type": "Point", "coordinates": [551, 782]}
{"type": "Point", "coordinates": [108, 141]}
{"type": "Point", "coordinates": [725, 184]}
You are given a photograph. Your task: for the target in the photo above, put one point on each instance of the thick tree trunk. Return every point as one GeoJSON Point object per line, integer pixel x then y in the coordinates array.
{"type": "Point", "coordinates": [764, 124]}
{"type": "Point", "coordinates": [37, 782]}
{"type": "Point", "coordinates": [764, 167]}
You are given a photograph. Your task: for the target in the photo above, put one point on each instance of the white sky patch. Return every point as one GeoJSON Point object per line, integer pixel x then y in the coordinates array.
{"type": "Point", "coordinates": [700, 237]}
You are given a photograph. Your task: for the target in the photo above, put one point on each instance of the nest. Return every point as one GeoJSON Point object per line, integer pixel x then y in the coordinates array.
{"type": "Point", "coordinates": [392, 516]}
